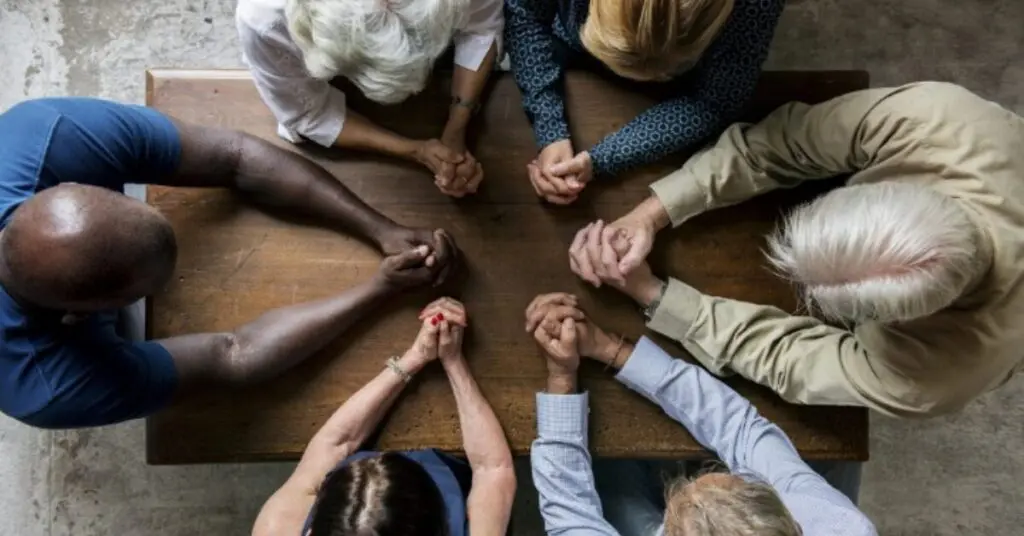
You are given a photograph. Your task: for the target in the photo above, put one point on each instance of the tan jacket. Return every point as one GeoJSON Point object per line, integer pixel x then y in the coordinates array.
{"type": "Point", "coordinates": [930, 133]}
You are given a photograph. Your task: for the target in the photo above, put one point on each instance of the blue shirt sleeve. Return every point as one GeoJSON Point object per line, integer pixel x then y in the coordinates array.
{"type": "Point", "coordinates": [728, 424]}
{"type": "Point", "coordinates": [562, 471]}
{"type": "Point", "coordinates": [46, 142]}
{"type": "Point", "coordinates": [532, 45]}
{"type": "Point", "coordinates": [95, 377]}
{"type": "Point", "coordinates": [108, 144]}
{"type": "Point", "coordinates": [722, 83]}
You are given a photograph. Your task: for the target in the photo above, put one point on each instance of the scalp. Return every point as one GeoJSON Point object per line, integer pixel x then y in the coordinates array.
{"type": "Point", "coordinates": [78, 242]}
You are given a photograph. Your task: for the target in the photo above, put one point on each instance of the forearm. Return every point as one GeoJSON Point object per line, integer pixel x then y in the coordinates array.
{"type": "Point", "coordinates": [652, 135]}
{"type": "Point", "coordinates": [278, 178]}
{"type": "Point", "coordinates": [284, 337]}
{"type": "Point", "coordinates": [360, 133]}
{"type": "Point", "coordinates": [538, 72]}
{"type": "Point", "coordinates": [482, 436]}
{"type": "Point", "coordinates": [801, 358]}
{"type": "Point", "coordinates": [467, 87]}
{"type": "Point", "coordinates": [561, 466]}
{"type": "Point", "coordinates": [360, 415]}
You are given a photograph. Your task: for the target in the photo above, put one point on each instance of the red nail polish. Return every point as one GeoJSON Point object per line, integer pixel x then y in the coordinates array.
{"type": "Point", "coordinates": [433, 321]}
{"type": "Point", "coordinates": [439, 317]}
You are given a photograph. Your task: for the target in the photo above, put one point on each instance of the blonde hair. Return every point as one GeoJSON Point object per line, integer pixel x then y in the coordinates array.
{"type": "Point", "coordinates": [883, 252]}
{"type": "Point", "coordinates": [652, 39]}
{"type": "Point", "coordinates": [387, 49]}
{"type": "Point", "coordinates": [740, 509]}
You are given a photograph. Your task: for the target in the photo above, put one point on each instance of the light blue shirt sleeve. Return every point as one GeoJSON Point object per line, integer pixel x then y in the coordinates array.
{"type": "Point", "coordinates": [728, 424]}
{"type": "Point", "coordinates": [562, 470]}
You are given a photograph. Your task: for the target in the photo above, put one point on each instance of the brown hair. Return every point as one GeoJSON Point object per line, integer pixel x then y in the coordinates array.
{"type": "Point", "coordinates": [652, 39]}
{"type": "Point", "coordinates": [744, 508]}
{"type": "Point", "coordinates": [389, 495]}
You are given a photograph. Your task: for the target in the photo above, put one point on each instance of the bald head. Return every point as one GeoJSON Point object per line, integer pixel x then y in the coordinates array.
{"type": "Point", "coordinates": [81, 248]}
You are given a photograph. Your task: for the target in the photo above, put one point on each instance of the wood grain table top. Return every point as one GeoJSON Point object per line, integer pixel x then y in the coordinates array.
{"type": "Point", "coordinates": [236, 262]}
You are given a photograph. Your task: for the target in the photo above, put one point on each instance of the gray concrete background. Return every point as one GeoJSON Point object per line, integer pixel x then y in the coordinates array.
{"type": "Point", "coordinates": [953, 476]}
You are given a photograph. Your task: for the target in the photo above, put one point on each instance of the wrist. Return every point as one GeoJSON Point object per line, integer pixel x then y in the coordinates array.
{"type": "Point", "coordinates": [379, 287]}
{"type": "Point", "coordinates": [458, 119]}
{"type": "Point", "coordinates": [561, 383]}
{"type": "Point", "coordinates": [409, 149]}
{"type": "Point", "coordinates": [651, 214]}
{"type": "Point", "coordinates": [605, 347]}
{"type": "Point", "coordinates": [622, 355]}
{"type": "Point", "coordinates": [646, 291]}
{"type": "Point", "coordinates": [412, 361]}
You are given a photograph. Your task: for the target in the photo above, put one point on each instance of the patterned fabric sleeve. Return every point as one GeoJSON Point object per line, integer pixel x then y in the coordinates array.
{"type": "Point", "coordinates": [724, 80]}
{"type": "Point", "coordinates": [531, 44]}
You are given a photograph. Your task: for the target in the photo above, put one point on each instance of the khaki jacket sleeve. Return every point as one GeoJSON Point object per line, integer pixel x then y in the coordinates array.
{"type": "Point", "coordinates": [794, 143]}
{"type": "Point", "coordinates": [802, 359]}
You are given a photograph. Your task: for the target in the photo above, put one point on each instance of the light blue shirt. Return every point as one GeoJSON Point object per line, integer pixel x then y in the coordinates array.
{"type": "Point", "coordinates": [717, 417]}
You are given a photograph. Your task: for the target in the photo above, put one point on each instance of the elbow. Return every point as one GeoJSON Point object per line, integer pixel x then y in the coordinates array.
{"type": "Point", "coordinates": [504, 481]}
{"type": "Point", "coordinates": [229, 360]}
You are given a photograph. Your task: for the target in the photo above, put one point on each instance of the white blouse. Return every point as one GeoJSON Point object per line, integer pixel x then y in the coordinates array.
{"type": "Point", "coordinates": [309, 108]}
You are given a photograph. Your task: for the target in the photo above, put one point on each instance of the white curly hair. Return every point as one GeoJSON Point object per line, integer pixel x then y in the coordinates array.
{"type": "Point", "coordinates": [387, 48]}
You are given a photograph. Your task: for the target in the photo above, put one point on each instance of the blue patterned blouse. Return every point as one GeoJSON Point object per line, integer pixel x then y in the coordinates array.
{"type": "Point", "coordinates": [541, 35]}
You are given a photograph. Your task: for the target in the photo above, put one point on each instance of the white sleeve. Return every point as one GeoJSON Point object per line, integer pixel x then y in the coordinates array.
{"type": "Point", "coordinates": [484, 28]}
{"type": "Point", "coordinates": [303, 106]}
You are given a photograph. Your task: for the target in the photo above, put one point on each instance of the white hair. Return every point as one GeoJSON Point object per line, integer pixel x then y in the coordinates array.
{"type": "Point", "coordinates": [883, 252]}
{"type": "Point", "coordinates": [387, 48]}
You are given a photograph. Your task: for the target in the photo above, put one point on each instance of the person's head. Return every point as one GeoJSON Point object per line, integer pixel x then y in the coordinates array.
{"type": "Point", "coordinates": [652, 39]}
{"type": "Point", "coordinates": [721, 504]}
{"type": "Point", "coordinates": [82, 248]}
{"type": "Point", "coordinates": [884, 252]}
{"type": "Point", "coordinates": [387, 48]}
{"type": "Point", "coordinates": [386, 494]}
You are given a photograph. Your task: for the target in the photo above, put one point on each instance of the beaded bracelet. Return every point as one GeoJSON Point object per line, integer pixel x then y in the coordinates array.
{"type": "Point", "coordinates": [397, 369]}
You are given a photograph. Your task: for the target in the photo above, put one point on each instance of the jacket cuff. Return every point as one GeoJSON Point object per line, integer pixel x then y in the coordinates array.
{"type": "Point", "coordinates": [681, 195]}
{"type": "Point", "coordinates": [677, 311]}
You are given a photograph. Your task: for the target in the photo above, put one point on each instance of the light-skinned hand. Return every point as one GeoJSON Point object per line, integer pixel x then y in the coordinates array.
{"type": "Point", "coordinates": [450, 317]}
{"type": "Point", "coordinates": [577, 171]}
{"type": "Point", "coordinates": [424, 348]}
{"type": "Point", "coordinates": [439, 159]}
{"type": "Point", "coordinates": [546, 319]}
{"type": "Point", "coordinates": [553, 188]}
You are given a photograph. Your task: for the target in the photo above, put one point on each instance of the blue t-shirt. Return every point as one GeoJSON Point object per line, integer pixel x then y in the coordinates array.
{"type": "Point", "coordinates": [54, 375]}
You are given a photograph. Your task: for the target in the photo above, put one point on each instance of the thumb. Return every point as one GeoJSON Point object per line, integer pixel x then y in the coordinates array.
{"type": "Point", "coordinates": [568, 335]}
{"type": "Point", "coordinates": [412, 257]}
{"type": "Point", "coordinates": [445, 337]}
{"type": "Point", "coordinates": [449, 155]}
{"type": "Point", "coordinates": [633, 258]}
{"type": "Point", "coordinates": [567, 167]}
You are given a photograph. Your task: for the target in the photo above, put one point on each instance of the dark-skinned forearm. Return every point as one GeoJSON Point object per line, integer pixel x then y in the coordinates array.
{"type": "Point", "coordinates": [281, 338]}
{"type": "Point", "coordinates": [275, 177]}
{"type": "Point", "coordinates": [279, 178]}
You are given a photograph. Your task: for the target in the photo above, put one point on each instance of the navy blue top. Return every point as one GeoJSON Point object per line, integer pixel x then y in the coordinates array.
{"type": "Point", "coordinates": [542, 34]}
{"type": "Point", "coordinates": [54, 375]}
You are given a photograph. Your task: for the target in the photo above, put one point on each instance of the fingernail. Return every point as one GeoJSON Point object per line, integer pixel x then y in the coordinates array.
{"type": "Point", "coordinates": [439, 317]}
{"type": "Point", "coordinates": [433, 321]}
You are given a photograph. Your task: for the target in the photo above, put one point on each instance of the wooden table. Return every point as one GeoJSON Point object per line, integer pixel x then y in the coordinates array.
{"type": "Point", "coordinates": [236, 262]}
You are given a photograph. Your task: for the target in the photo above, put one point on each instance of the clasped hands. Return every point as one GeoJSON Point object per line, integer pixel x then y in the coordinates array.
{"type": "Point", "coordinates": [444, 322]}
{"type": "Point", "coordinates": [615, 254]}
{"type": "Point", "coordinates": [565, 334]}
{"type": "Point", "coordinates": [456, 172]}
{"type": "Point", "coordinates": [558, 175]}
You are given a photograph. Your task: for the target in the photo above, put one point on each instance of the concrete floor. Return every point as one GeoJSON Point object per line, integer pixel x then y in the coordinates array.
{"type": "Point", "coordinates": [955, 476]}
